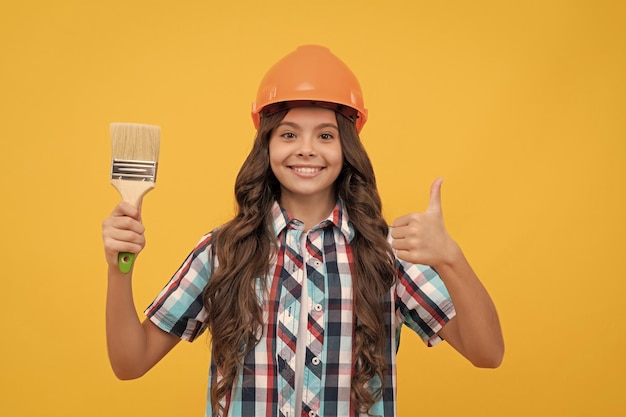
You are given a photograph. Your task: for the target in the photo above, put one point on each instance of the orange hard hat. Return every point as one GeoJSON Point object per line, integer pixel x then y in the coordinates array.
{"type": "Point", "coordinates": [310, 75]}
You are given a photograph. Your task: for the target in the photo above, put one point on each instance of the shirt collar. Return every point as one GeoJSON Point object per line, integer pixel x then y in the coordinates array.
{"type": "Point", "coordinates": [338, 217]}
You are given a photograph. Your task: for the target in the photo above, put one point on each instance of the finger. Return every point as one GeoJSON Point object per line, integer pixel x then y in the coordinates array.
{"type": "Point", "coordinates": [116, 224]}
{"type": "Point", "coordinates": [126, 209]}
{"type": "Point", "coordinates": [396, 232]}
{"type": "Point", "coordinates": [401, 221]}
{"type": "Point", "coordinates": [403, 254]}
{"type": "Point", "coordinates": [434, 204]}
{"type": "Point", "coordinates": [110, 233]}
{"type": "Point", "coordinates": [113, 245]}
{"type": "Point", "coordinates": [400, 244]}
{"type": "Point", "coordinates": [130, 224]}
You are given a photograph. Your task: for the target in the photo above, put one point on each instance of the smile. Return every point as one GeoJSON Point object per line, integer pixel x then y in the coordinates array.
{"type": "Point", "coordinates": [306, 170]}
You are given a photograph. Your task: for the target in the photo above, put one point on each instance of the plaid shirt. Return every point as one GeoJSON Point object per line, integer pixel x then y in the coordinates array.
{"type": "Point", "coordinates": [266, 384]}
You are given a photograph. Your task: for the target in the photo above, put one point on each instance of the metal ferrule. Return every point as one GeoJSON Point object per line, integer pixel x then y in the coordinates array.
{"type": "Point", "coordinates": [122, 169]}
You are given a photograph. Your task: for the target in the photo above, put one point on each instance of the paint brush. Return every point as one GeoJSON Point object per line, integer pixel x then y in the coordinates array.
{"type": "Point", "coordinates": [135, 152]}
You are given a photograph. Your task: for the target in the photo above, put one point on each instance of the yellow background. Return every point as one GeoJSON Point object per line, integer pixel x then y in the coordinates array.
{"type": "Point", "coordinates": [520, 106]}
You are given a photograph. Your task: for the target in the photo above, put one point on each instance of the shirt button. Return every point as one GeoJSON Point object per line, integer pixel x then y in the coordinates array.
{"type": "Point", "coordinates": [318, 307]}
{"type": "Point", "coordinates": [312, 413]}
{"type": "Point", "coordinates": [317, 263]}
{"type": "Point", "coordinates": [315, 361]}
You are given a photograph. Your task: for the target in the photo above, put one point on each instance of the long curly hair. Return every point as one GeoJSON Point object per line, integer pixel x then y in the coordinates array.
{"type": "Point", "coordinates": [245, 245]}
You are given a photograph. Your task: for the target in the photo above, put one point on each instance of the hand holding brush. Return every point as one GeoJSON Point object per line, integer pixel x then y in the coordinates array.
{"type": "Point", "coordinates": [135, 152]}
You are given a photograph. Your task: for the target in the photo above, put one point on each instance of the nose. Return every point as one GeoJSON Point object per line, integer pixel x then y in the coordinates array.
{"type": "Point", "coordinates": [307, 147]}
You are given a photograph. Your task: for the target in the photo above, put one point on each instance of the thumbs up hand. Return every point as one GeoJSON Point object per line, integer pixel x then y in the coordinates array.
{"type": "Point", "coordinates": [421, 238]}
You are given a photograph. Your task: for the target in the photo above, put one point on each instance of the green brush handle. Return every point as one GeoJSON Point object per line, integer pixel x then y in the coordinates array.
{"type": "Point", "coordinates": [125, 261]}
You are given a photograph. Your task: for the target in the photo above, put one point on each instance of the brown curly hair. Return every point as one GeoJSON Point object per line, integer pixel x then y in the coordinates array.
{"type": "Point", "coordinates": [245, 245]}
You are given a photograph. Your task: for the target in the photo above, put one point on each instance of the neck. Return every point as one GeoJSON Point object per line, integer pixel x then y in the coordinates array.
{"type": "Point", "coordinates": [310, 209]}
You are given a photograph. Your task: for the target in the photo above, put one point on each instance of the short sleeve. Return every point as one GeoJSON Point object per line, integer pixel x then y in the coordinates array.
{"type": "Point", "coordinates": [178, 309]}
{"type": "Point", "coordinates": [422, 301]}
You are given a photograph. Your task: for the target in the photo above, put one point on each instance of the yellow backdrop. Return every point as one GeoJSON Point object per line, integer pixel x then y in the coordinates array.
{"type": "Point", "coordinates": [520, 106]}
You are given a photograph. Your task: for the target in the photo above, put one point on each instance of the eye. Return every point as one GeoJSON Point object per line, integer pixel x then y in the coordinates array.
{"type": "Point", "coordinates": [288, 135]}
{"type": "Point", "coordinates": [326, 136]}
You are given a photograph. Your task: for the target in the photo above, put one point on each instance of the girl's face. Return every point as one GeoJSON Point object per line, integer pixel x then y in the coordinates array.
{"type": "Point", "coordinates": [305, 155]}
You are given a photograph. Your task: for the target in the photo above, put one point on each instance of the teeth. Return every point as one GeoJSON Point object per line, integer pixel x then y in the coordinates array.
{"type": "Point", "coordinates": [306, 170]}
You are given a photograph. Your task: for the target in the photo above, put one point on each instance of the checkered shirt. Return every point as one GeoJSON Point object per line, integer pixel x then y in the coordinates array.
{"type": "Point", "coordinates": [266, 384]}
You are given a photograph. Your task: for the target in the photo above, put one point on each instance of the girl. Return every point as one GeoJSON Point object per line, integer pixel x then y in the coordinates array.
{"type": "Point", "coordinates": [306, 289]}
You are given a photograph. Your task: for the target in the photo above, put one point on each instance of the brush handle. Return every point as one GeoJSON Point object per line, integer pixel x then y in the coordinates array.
{"type": "Point", "coordinates": [131, 192]}
{"type": "Point", "coordinates": [125, 261]}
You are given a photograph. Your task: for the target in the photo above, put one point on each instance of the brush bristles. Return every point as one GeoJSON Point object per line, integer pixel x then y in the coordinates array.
{"type": "Point", "coordinates": [133, 141]}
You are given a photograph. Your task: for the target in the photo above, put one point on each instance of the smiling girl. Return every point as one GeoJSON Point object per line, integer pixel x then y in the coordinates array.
{"type": "Point", "coordinates": [306, 289]}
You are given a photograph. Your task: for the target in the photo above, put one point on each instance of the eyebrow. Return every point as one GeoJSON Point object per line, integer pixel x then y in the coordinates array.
{"type": "Point", "coordinates": [320, 126]}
